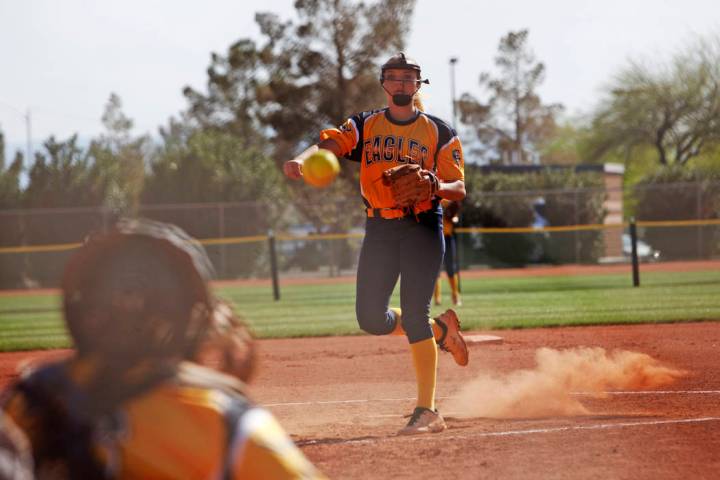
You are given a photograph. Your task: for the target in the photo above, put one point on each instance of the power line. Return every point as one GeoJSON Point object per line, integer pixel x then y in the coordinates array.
{"type": "Point", "coordinates": [27, 116]}
{"type": "Point", "coordinates": [46, 111]}
{"type": "Point", "coordinates": [28, 128]}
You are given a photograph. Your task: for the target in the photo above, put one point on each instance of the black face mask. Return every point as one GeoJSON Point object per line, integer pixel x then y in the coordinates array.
{"type": "Point", "coordinates": [401, 99]}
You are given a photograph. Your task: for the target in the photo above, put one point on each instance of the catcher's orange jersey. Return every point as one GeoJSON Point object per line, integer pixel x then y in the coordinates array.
{"type": "Point", "coordinates": [379, 142]}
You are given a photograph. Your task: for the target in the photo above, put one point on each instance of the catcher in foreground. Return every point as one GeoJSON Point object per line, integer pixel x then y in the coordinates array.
{"type": "Point", "coordinates": [228, 345]}
{"type": "Point", "coordinates": [409, 160]}
{"type": "Point", "coordinates": [129, 403]}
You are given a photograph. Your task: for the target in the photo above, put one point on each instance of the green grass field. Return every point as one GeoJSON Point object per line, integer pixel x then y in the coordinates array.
{"type": "Point", "coordinates": [34, 321]}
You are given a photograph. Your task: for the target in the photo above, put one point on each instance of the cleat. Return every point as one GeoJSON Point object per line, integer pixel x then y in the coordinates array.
{"type": "Point", "coordinates": [424, 420]}
{"type": "Point", "coordinates": [452, 340]}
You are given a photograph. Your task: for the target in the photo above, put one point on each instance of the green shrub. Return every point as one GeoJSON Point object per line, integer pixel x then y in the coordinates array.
{"type": "Point", "coordinates": [506, 200]}
{"type": "Point", "coordinates": [679, 193]}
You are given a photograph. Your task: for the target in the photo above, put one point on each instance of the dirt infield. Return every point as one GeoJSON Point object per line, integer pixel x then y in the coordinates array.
{"type": "Point", "coordinates": [343, 399]}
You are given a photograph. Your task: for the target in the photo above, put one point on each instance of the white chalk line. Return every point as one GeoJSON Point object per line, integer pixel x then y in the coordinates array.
{"type": "Point", "coordinates": [338, 402]}
{"type": "Point", "coordinates": [371, 400]}
{"type": "Point", "coordinates": [531, 431]}
{"type": "Point", "coordinates": [655, 392]}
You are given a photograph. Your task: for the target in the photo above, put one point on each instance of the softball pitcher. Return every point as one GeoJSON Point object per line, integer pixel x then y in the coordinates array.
{"type": "Point", "coordinates": [409, 160]}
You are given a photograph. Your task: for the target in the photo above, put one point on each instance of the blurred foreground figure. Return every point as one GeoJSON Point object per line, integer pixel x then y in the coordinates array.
{"type": "Point", "coordinates": [130, 403]}
{"type": "Point", "coordinates": [15, 456]}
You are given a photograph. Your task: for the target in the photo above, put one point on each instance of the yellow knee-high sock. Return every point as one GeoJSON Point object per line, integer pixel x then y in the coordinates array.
{"type": "Point", "coordinates": [425, 356]}
{"type": "Point", "coordinates": [455, 292]}
{"type": "Point", "coordinates": [438, 292]}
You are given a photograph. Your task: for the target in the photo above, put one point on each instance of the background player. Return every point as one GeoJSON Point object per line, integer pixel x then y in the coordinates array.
{"type": "Point", "coordinates": [450, 260]}
{"type": "Point", "coordinates": [126, 405]}
{"type": "Point", "coordinates": [402, 241]}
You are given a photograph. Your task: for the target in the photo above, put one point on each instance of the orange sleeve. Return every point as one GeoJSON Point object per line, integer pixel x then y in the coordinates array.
{"type": "Point", "coordinates": [451, 162]}
{"type": "Point", "coordinates": [347, 136]}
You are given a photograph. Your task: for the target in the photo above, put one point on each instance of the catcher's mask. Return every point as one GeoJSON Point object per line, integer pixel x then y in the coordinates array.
{"type": "Point", "coordinates": [137, 292]}
{"type": "Point", "coordinates": [401, 62]}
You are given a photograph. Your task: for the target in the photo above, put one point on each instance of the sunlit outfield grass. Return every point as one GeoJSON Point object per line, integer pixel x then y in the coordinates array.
{"type": "Point", "coordinates": [29, 322]}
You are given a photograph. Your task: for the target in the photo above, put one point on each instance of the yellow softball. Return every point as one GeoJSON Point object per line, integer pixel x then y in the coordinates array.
{"type": "Point", "coordinates": [320, 168]}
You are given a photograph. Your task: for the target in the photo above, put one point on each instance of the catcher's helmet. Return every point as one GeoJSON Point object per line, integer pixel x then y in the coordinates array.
{"type": "Point", "coordinates": [401, 62]}
{"type": "Point", "coordinates": [138, 291]}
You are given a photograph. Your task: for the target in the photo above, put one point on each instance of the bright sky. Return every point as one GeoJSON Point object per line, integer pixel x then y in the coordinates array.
{"type": "Point", "coordinates": [61, 59]}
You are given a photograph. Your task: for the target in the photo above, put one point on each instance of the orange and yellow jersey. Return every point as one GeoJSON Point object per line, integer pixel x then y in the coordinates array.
{"type": "Point", "coordinates": [378, 142]}
{"type": "Point", "coordinates": [187, 430]}
{"type": "Point", "coordinates": [197, 424]}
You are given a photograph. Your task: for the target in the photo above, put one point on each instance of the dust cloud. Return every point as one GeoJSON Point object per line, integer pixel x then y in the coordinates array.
{"type": "Point", "coordinates": [551, 389]}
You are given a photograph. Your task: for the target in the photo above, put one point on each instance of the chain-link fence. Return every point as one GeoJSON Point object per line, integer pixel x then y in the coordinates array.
{"type": "Point", "coordinates": [676, 222]}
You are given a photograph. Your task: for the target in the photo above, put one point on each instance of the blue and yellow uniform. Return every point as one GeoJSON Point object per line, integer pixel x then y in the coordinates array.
{"type": "Point", "coordinates": [378, 142]}
{"type": "Point", "coordinates": [450, 210]}
{"type": "Point", "coordinates": [196, 424]}
{"type": "Point", "coordinates": [400, 243]}
{"type": "Point", "coordinates": [136, 303]}
{"type": "Point", "coordinates": [397, 243]}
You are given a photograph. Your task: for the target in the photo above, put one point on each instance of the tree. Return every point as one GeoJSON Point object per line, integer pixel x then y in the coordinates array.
{"type": "Point", "coordinates": [673, 108]}
{"type": "Point", "coordinates": [564, 146]}
{"type": "Point", "coordinates": [514, 121]}
{"type": "Point", "coordinates": [11, 232]}
{"type": "Point", "coordinates": [303, 77]}
{"type": "Point", "coordinates": [58, 176]}
{"type": "Point", "coordinates": [118, 161]}
{"type": "Point", "coordinates": [10, 192]}
{"type": "Point", "coordinates": [196, 165]}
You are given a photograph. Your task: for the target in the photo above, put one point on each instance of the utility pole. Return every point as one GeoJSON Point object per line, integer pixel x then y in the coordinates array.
{"type": "Point", "coordinates": [453, 61]}
{"type": "Point", "coordinates": [28, 132]}
{"type": "Point", "coordinates": [458, 249]}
